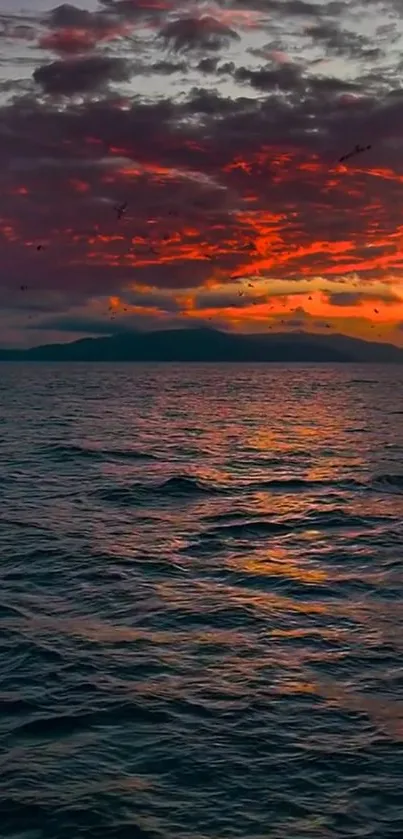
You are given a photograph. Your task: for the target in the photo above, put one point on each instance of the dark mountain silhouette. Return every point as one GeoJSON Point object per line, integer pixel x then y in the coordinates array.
{"type": "Point", "coordinates": [205, 345]}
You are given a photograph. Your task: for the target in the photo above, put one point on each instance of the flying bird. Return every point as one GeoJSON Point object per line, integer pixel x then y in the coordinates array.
{"type": "Point", "coordinates": [121, 209]}
{"type": "Point", "coordinates": [357, 150]}
{"type": "Point", "coordinates": [376, 311]}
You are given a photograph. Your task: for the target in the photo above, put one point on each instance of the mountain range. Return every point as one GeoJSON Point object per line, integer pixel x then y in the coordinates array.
{"type": "Point", "coordinates": [211, 345]}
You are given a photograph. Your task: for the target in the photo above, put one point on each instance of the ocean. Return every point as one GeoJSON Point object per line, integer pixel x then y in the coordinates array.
{"type": "Point", "coordinates": [201, 622]}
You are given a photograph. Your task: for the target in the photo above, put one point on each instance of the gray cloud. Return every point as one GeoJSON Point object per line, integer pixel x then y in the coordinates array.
{"type": "Point", "coordinates": [343, 43]}
{"type": "Point", "coordinates": [67, 16]}
{"type": "Point", "coordinates": [81, 75]}
{"type": "Point", "coordinates": [167, 68]}
{"type": "Point", "coordinates": [79, 324]}
{"type": "Point", "coordinates": [207, 65]}
{"type": "Point", "coordinates": [288, 8]}
{"type": "Point", "coordinates": [287, 77]}
{"type": "Point", "coordinates": [188, 34]}
{"type": "Point", "coordinates": [352, 298]}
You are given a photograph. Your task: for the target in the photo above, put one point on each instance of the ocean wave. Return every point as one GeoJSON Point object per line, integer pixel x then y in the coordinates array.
{"type": "Point", "coordinates": [364, 381]}
{"type": "Point", "coordinates": [249, 529]}
{"type": "Point", "coordinates": [186, 486]}
{"type": "Point", "coordinates": [389, 483]}
{"type": "Point", "coordinates": [179, 486]}
{"type": "Point", "coordinates": [318, 520]}
{"type": "Point", "coordinates": [63, 725]}
{"type": "Point", "coordinates": [300, 484]}
{"type": "Point", "coordinates": [63, 453]}
{"type": "Point", "coordinates": [165, 641]}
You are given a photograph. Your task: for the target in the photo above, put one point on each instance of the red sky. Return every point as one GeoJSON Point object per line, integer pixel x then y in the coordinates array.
{"type": "Point", "coordinates": [221, 125]}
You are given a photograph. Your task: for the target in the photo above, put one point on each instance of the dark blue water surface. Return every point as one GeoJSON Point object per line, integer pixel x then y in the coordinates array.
{"type": "Point", "coordinates": [201, 622]}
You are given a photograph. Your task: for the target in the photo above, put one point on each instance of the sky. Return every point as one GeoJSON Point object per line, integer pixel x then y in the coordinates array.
{"type": "Point", "coordinates": [221, 125]}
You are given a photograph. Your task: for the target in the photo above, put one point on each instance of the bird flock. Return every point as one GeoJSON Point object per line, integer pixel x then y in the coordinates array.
{"type": "Point", "coordinates": [121, 210]}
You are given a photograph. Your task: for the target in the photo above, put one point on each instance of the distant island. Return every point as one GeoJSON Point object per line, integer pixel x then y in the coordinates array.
{"type": "Point", "coordinates": [211, 345]}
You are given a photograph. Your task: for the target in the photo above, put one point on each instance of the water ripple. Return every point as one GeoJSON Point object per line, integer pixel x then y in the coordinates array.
{"type": "Point", "coordinates": [201, 602]}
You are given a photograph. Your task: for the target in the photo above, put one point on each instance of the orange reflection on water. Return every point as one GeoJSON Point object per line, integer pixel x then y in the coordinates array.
{"type": "Point", "coordinates": [283, 567]}
{"type": "Point", "coordinates": [208, 597]}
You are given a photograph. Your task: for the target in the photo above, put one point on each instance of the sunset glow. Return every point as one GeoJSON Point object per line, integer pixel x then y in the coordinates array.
{"type": "Point", "coordinates": [222, 127]}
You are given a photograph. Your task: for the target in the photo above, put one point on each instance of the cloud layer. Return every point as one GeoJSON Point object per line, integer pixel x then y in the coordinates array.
{"type": "Point", "coordinates": [221, 125]}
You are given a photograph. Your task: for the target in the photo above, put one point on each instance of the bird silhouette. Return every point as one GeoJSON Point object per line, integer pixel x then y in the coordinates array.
{"type": "Point", "coordinates": [121, 209]}
{"type": "Point", "coordinates": [357, 150]}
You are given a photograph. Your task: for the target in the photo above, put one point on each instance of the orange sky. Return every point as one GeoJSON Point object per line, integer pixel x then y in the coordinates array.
{"type": "Point", "coordinates": [239, 212]}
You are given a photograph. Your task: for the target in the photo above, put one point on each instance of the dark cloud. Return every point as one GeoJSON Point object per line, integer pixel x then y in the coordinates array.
{"type": "Point", "coordinates": [81, 75]}
{"type": "Point", "coordinates": [202, 101]}
{"type": "Point", "coordinates": [283, 78]}
{"type": "Point", "coordinates": [81, 325]}
{"type": "Point", "coordinates": [354, 298]}
{"type": "Point", "coordinates": [167, 68]}
{"type": "Point", "coordinates": [343, 43]}
{"type": "Point", "coordinates": [207, 65]}
{"type": "Point", "coordinates": [228, 68]}
{"type": "Point", "coordinates": [77, 324]}
{"type": "Point", "coordinates": [197, 33]}
{"type": "Point", "coordinates": [287, 8]}
{"type": "Point", "coordinates": [72, 30]}
{"type": "Point", "coordinates": [67, 16]}
{"type": "Point", "coordinates": [229, 175]}
{"type": "Point", "coordinates": [289, 78]}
